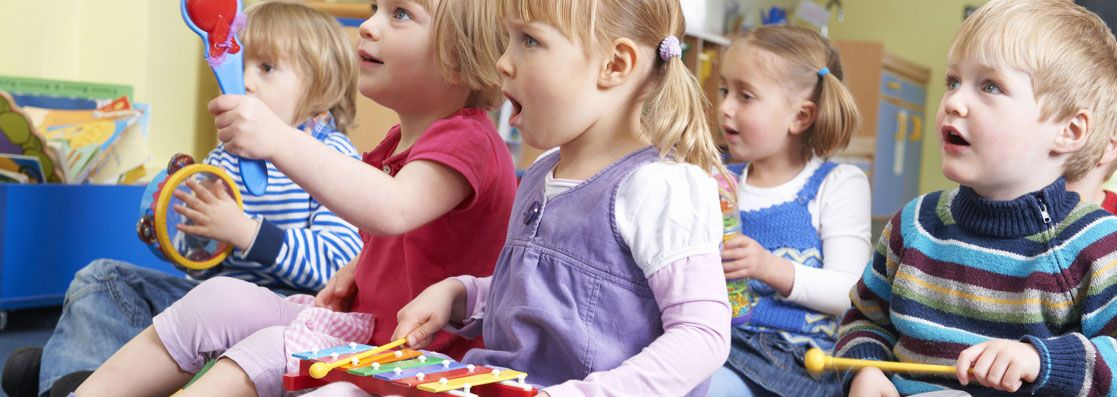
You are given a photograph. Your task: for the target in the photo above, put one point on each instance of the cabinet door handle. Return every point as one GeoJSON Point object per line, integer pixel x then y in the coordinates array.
{"type": "Point", "coordinates": [901, 133]}
{"type": "Point", "coordinates": [901, 125]}
{"type": "Point", "coordinates": [916, 128]}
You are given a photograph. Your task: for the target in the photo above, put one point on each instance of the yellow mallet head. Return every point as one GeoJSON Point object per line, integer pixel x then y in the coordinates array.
{"type": "Point", "coordinates": [319, 370]}
{"type": "Point", "coordinates": [815, 361]}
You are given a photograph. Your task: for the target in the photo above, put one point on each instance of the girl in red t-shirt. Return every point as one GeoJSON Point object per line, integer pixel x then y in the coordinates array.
{"type": "Point", "coordinates": [432, 200]}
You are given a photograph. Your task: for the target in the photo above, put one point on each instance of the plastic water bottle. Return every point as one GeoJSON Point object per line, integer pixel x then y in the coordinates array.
{"type": "Point", "coordinates": [741, 301]}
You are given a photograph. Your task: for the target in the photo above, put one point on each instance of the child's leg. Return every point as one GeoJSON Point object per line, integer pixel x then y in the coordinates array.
{"type": "Point", "coordinates": [727, 382]}
{"type": "Point", "coordinates": [338, 389]}
{"type": "Point", "coordinates": [210, 319]}
{"type": "Point", "coordinates": [252, 367]}
{"type": "Point", "coordinates": [142, 358]}
{"type": "Point", "coordinates": [107, 304]}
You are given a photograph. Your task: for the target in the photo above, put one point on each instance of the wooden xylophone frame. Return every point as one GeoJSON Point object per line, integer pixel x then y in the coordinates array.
{"type": "Point", "coordinates": [302, 380]}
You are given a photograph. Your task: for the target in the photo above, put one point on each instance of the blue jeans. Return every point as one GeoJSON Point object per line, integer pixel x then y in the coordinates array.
{"type": "Point", "coordinates": [728, 383]}
{"type": "Point", "coordinates": [766, 364]}
{"type": "Point", "coordinates": [108, 303]}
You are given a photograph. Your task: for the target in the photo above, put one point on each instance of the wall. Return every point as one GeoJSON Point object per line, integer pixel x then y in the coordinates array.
{"type": "Point", "coordinates": [140, 43]}
{"type": "Point", "coordinates": [919, 31]}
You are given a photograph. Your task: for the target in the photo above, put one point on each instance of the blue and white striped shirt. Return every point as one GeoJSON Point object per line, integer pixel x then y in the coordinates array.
{"type": "Point", "coordinates": [300, 243]}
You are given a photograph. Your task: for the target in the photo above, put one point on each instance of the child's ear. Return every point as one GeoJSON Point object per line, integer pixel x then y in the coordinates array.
{"type": "Point", "coordinates": [1074, 133]}
{"type": "Point", "coordinates": [620, 64]}
{"type": "Point", "coordinates": [804, 118]}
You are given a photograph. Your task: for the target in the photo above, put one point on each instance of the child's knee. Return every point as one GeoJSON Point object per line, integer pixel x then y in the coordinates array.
{"type": "Point", "coordinates": [223, 300]}
{"type": "Point", "coordinates": [233, 307]}
{"type": "Point", "coordinates": [99, 271]}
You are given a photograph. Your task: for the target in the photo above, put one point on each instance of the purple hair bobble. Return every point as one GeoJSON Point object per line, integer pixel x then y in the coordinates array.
{"type": "Point", "coordinates": [670, 48]}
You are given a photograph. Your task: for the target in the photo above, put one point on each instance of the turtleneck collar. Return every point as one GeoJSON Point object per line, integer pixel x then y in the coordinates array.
{"type": "Point", "coordinates": [1023, 216]}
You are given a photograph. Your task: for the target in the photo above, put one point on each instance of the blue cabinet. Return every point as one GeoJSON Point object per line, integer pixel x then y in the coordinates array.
{"type": "Point", "coordinates": [891, 95]}
{"type": "Point", "coordinates": [49, 232]}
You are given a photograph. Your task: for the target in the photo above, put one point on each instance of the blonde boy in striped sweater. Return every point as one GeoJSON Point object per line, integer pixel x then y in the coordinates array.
{"type": "Point", "coordinates": [1009, 276]}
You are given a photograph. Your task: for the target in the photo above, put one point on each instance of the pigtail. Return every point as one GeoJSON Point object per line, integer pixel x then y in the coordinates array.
{"type": "Point", "coordinates": [674, 118]}
{"type": "Point", "coordinates": [837, 116]}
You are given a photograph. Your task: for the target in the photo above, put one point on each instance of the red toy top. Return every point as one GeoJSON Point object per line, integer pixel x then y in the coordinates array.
{"type": "Point", "coordinates": [216, 18]}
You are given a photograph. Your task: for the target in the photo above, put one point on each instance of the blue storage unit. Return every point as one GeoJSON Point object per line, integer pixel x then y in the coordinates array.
{"type": "Point", "coordinates": [891, 94]}
{"type": "Point", "coordinates": [49, 232]}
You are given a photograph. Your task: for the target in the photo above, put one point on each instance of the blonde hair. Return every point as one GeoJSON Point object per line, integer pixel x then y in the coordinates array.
{"type": "Point", "coordinates": [1070, 54]}
{"type": "Point", "coordinates": [467, 44]}
{"type": "Point", "coordinates": [674, 114]}
{"type": "Point", "coordinates": [313, 43]}
{"type": "Point", "coordinates": [805, 53]}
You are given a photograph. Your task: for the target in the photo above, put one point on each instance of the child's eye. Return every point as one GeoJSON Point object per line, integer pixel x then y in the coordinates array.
{"type": "Point", "coordinates": [530, 41]}
{"type": "Point", "coordinates": [266, 67]}
{"type": "Point", "coordinates": [401, 15]}
{"type": "Point", "coordinates": [374, 7]}
{"type": "Point", "coordinates": [723, 92]}
{"type": "Point", "coordinates": [989, 87]}
{"type": "Point", "coordinates": [952, 84]}
{"type": "Point", "coordinates": [746, 97]}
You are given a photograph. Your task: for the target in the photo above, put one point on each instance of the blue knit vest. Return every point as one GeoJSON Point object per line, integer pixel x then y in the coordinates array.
{"type": "Point", "coordinates": [786, 231]}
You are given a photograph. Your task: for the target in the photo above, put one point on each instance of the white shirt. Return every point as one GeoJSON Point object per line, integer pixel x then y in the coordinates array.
{"type": "Point", "coordinates": [841, 214]}
{"type": "Point", "coordinates": [665, 211]}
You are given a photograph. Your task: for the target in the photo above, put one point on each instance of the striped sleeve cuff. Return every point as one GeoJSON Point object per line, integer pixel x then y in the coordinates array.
{"type": "Point", "coordinates": [862, 351]}
{"type": "Point", "coordinates": [1063, 361]}
{"type": "Point", "coordinates": [269, 240]}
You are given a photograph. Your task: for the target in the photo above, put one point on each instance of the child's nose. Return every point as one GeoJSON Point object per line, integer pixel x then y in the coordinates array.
{"type": "Point", "coordinates": [368, 30]}
{"type": "Point", "coordinates": [725, 109]}
{"type": "Point", "coordinates": [954, 104]}
{"type": "Point", "coordinates": [249, 82]}
{"type": "Point", "coordinates": [504, 66]}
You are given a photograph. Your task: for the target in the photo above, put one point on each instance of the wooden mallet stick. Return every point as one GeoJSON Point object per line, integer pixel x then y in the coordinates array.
{"type": "Point", "coordinates": [818, 362]}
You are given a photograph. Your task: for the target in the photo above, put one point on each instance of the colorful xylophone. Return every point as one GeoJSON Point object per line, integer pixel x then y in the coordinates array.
{"type": "Point", "coordinates": [405, 372]}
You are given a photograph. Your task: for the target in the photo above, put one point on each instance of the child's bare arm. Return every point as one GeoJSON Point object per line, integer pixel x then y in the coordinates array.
{"type": "Point", "coordinates": [366, 197]}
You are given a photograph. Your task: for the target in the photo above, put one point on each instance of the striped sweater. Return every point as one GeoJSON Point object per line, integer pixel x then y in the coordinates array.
{"type": "Point", "coordinates": [953, 269]}
{"type": "Point", "coordinates": [300, 243]}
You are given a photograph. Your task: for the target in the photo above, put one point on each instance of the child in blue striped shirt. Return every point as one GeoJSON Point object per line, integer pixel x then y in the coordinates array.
{"type": "Point", "coordinates": [284, 239]}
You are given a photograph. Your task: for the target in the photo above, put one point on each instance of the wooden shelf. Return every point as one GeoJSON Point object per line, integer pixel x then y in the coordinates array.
{"type": "Point", "coordinates": [342, 10]}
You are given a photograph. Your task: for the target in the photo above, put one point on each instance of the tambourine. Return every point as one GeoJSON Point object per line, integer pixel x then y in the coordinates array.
{"type": "Point", "coordinates": [158, 224]}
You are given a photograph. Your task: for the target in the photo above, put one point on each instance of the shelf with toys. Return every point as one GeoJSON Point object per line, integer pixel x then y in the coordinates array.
{"type": "Point", "coordinates": [58, 216]}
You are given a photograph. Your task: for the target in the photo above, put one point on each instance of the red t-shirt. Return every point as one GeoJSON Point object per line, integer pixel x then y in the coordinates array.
{"type": "Point", "coordinates": [393, 270]}
{"type": "Point", "coordinates": [1110, 202]}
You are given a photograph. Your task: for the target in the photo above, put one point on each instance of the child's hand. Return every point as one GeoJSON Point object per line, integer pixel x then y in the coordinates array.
{"type": "Point", "coordinates": [338, 293]}
{"type": "Point", "coordinates": [247, 126]}
{"type": "Point", "coordinates": [215, 215]}
{"type": "Point", "coordinates": [871, 382]}
{"type": "Point", "coordinates": [744, 257]}
{"type": "Point", "coordinates": [1000, 364]}
{"type": "Point", "coordinates": [425, 315]}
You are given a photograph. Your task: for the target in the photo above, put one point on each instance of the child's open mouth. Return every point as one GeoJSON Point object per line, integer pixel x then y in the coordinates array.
{"type": "Point", "coordinates": [365, 57]}
{"type": "Point", "coordinates": [951, 136]}
{"type": "Point", "coordinates": [730, 131]}
{"type": "Point", "coordinates": [517, 109]}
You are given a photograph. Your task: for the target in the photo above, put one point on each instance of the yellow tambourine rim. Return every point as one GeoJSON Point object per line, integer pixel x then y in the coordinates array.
{"type": "Point", "coordinates": [165, 200]}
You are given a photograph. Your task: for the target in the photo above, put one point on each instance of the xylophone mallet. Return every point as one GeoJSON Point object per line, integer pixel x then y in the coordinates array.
{"type": "Point", "coordinates": [818, 362]}
{"type": "Point", "coordinates": [319, 370]}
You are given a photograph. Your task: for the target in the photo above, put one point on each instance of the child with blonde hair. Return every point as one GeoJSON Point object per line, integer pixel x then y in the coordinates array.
{"type": "Point", "coordinates": [432, 200]}
{"type": "Point", "coordinates": [284, 239]}
{"type": "Point", "coordinates": [1009, 278]}
{"type": "Point", "coordinates": [784, 110]}
{"type": "Point", "coordinates": [610, 281]}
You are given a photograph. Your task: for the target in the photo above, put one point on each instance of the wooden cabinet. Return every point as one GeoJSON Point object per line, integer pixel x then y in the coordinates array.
{"type": "Point", "coordinates": [891, 94]}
